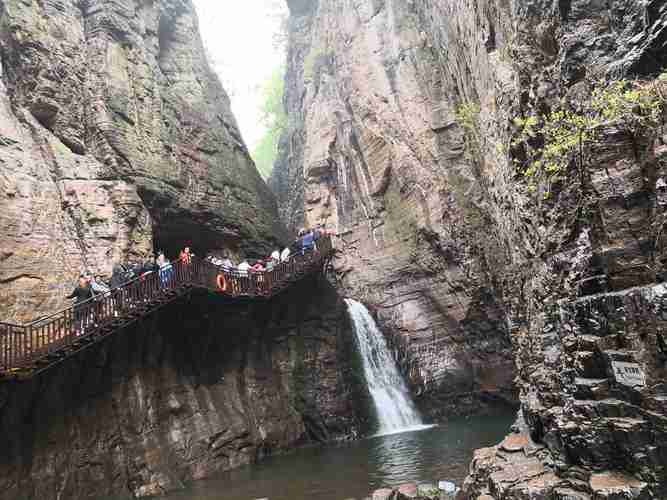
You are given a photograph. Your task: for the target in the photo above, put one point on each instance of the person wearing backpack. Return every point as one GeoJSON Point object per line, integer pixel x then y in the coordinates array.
{"type": "Point", "coordinates": [82, 294]}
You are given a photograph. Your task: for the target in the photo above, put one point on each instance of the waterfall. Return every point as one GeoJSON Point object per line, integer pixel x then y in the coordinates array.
{"type": "Point", "coordinates": [394, 408]}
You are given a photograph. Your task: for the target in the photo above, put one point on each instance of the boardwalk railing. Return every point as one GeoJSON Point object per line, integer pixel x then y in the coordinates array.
{"type": "Point", "coordinates": [48, 340]}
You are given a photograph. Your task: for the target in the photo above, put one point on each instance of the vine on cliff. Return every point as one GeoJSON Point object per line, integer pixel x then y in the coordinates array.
{"type": "Point", "coordinates": [467, 116]}
{"type": "Point", "coordinates": [545, 144]}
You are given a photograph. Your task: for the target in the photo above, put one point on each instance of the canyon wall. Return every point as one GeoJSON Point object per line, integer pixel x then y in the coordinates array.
{"type": "Point", "coordinates": [402, 136]}
{"type": "Point", "coordinates": [200, 387]}
{"type": "Point", "coordinates": [116, 139]}
{"type": "Point", "coordinates": [372, 152]}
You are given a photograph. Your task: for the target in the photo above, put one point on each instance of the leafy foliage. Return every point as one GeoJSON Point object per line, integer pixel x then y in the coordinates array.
{"type": "Point", "coordinates": [467, 116]}
{"type": "Point", "coordinates": [311, 61]}
{"type": "Point", "coordinates": [545, 144]}
{"type": "Point", "coordinates": [274, 118]}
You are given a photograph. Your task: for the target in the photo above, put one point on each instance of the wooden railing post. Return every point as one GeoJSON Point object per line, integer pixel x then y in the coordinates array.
{"type": "Point", "coordinates": [4, 341]}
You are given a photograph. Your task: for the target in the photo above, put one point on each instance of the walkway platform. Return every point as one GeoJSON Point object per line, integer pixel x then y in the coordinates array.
{"type": "Point", "coordinates": [26, 350]}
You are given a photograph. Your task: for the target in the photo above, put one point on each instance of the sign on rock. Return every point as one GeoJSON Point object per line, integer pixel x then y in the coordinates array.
{"type": "Point", "coordinates": [629, 374]}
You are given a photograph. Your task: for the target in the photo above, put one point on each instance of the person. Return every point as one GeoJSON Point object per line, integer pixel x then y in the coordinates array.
{"type": "Point", "coordinates": [243, 268]}
{"type": "Point", "coordinates": [232, 280]}
{"type": "Point", "coordinates": [258, 267]}
{"type": "Point", "coordinates": [117, 276]}
{"type": "Point", "coordinates": [149, 266]}
{"type": "Point", "coordinates": [166, 270]}
{"type": "Point", "coordinates": [271, 263]}
{"type": "Point", "coordinates": [297, 244]}
{"type": "Point", "coordinates": [81, 294]}
{"type": "Point", "coordinates": [100, 290]}
{"type": "Point", "coordinates": [308, 242]}
{"type": "Point", "coordinates": [133, 270]}
{"type": "Point", "coordinates": [120, 276]}
{"type": "Point", "coordinates": [227, 263]}
{"type": "Point", "coordinates": [98, 286]}
{"type": "Point", "coordinates": [275, 255]}
{"type": "Point", "coordinates": [185, 256]}
{"type": "Point", "coordinates": [258, 275]}
{"type": "Point", "coordinates": [88, 275]}
{"type": "Point", "coordinates": [161, 259]}
{"type": "Point", "coordinates": [284, 256]}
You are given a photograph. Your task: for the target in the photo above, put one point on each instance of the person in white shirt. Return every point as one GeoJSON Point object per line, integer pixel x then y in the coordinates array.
{"type": "Point", "coordinates": [275, 255]}
{"type": "Point", "coordinates": [243, 268]}
{"type": "Point", "coordinates": [284, 257]}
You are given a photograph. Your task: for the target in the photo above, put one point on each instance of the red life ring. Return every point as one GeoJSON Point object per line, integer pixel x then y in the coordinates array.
{"type": "Point", "coordinates": [221, 282]}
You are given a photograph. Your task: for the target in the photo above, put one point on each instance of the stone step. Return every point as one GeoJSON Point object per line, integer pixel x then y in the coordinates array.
{"type": "Point", "coordinates": [620, 355]}
{"type": "Point", "coordinates": [592, 285]}
{"type": "Point", "coordinates": [591, 388]}
{"type": "Point", "coordinates": [606, 408]}
{"type": "Point", "coordinates": [656, 403]}
{"type": "Point", "coordinates": [589, 342]}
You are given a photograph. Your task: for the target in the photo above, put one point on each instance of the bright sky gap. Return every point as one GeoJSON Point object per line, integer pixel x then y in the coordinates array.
{"type": "Point", "coordinates": [239, 39]}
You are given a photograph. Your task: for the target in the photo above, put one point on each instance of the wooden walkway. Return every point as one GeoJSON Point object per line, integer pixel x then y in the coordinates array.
{"type": "Point", "coordinates": [26, 350]}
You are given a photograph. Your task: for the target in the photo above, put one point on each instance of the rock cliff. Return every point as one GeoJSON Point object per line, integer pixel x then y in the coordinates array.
{"type": "Point", "coordinates": [405, 134]}
{"type": "Point", "coordinates": [116, 139]}
{"type": "Point", "coordinates": [372, 151]}
{"type": "Point", "coordinates": [198, 388]}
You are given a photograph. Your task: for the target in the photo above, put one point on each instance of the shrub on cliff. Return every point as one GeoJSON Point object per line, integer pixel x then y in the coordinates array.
{"type": "Point", "coordinates": [546, 143]}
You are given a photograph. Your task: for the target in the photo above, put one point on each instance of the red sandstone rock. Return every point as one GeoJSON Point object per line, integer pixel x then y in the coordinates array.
{"type": "Point", "coordinates": [405, 142]}
{"type": "Point", "coordinates": [612, 485]}
{"type": "Point", "coordinates": [407, 491]}
{"type": "Point", "coordinates": [514, 442]}
{"type": "Point", "coordinates": [116, 137]}
{"type": "Point", "coordinates": [377, 157]}
{"type": "Point", "coordinates": [383, 494]}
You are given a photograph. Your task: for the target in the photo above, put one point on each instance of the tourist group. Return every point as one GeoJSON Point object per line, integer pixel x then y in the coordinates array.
{"type": "Point", "coordinates": [251, 277]}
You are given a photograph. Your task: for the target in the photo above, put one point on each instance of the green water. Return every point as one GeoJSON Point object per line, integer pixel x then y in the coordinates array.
{"type": "Point", "coordinates": [353, 469]}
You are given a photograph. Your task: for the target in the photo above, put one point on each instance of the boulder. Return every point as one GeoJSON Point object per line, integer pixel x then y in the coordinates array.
{"type": "Point", "coordinates": [383, 494]}
{"type": "Point", "coordinates": [428, 490]}
{"type": "Point", "coordinates": [407, 491]}
{"type": "Point", "coordinates": [616, 485]}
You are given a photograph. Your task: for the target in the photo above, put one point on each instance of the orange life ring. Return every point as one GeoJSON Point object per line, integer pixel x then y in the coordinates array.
{"type": "Point", "coordinates": [221, 282]}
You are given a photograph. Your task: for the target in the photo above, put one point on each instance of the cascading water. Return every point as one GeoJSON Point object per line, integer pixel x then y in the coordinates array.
{"type": "Point", "coordinates": [395, 410]}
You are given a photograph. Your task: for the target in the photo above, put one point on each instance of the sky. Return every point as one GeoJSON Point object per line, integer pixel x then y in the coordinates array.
{"type": "Point", "coordinates": [239, 37]}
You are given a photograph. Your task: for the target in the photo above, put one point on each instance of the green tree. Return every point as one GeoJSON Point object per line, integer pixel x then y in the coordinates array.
{"type": "Point", "coordinates": [274, 118]}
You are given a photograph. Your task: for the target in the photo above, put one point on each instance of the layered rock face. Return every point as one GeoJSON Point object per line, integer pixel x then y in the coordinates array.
{"type": "Point", "coordinates": [198, 388]}
{"type": "Point", "coordinates": [461, 254]}
{"type": "Point", "coordinates": [370, 152]}
{"type": "Point", "coordinates": [115, 138]}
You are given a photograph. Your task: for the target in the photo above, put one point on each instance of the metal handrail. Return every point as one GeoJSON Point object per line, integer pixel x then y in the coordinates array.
{"type": "Point", "coordinates": [21, 346]}
{"type": "Point", "coordinates": [61, 311]}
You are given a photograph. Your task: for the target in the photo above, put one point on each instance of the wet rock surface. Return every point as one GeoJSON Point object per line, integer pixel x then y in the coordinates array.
{"type": "Point", "coordinates": [201, 387]}
{"type": "Point", "coordinates": [460, 256]}
{"type": "Point", "coordinates": [116, 139]}
{"type": "Point", "coordinates": [412, 491]}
